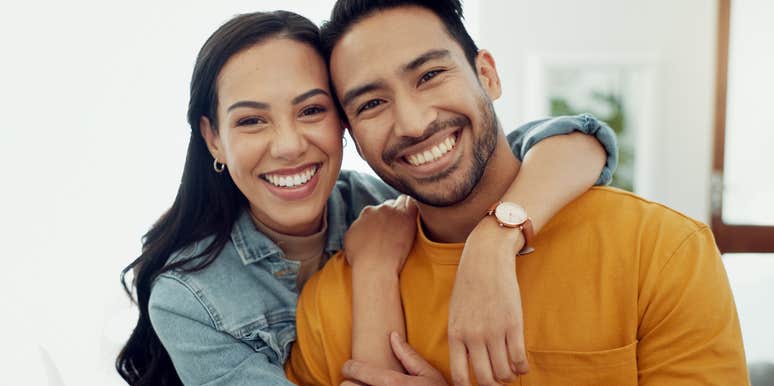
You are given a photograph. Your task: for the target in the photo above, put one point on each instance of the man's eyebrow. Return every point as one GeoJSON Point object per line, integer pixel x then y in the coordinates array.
{"type": "Point", "coordinates": [308, 94]}
{"type": "Point", "coordinates": [253, 104]}
{"type": "Point", "coordinates": [424, 58]}
{"type": "Point", "coordinates": [350, 95]}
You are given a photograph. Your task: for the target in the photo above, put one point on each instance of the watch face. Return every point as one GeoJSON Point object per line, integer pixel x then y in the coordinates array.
{"type": "Point", "coordinates": [510, 214]}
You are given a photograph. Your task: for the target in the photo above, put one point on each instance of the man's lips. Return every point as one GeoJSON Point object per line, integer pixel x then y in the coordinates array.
{"type": "Point", "coordinates": [429, 143]}
{"type": "Point", "coordinates": [433, 152]}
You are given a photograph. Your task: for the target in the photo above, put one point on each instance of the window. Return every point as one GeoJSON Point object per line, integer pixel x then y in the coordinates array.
{"type": "Point", "coordinates": [743, 167]}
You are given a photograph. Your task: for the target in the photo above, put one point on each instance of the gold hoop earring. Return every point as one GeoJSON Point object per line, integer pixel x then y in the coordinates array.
{"type": "Point", "coordinates": [218, 169]}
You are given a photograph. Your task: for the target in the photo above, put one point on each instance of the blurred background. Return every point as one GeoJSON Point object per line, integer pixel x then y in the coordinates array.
{"type": "Point", "coordinates": [93, 103]}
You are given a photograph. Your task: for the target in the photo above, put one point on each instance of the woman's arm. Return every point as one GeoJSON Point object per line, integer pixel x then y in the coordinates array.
{"type": "Point", "coordinates": [201, 353]}
{"type": "Point", "coordinates": [376, 246]}
{"type": "Point", "coordinates": [545, 182]}
{"type": "Point", "coordinates": [554, 172]}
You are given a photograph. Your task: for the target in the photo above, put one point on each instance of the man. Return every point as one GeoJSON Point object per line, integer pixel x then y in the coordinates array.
{"type": "Point", "coordinates": [643, 297]}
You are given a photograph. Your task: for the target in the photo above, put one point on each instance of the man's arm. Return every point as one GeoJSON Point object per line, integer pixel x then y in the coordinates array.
{"type": "Point", "coordinates": [689, 330]}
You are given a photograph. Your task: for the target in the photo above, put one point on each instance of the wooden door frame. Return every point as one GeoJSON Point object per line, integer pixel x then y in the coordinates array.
{"type": "Point", "coordinates": [729, 237]}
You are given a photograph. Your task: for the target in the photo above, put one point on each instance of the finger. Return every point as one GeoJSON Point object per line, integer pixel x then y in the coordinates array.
{"type": "Point", "coordinates": [391, 202]}
{"type": "Point", "coordinates": [410, 359]}
{"type": "Point", "coordinates": [411, 205]}
{"type": "Point", "coordinates": [501, 366]}
{"type": "Point", "coordinates": [458, 362]}
{"type": "Point", "coordinates": [369, 374]}
{"type": "Point", "coordinates": [479, 361]}
{"type": "Point", "coordinates": [517, 353]}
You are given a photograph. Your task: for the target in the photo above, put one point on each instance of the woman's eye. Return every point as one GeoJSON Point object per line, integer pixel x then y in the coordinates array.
{"type": "Point", "coordinates": [312, 111]}
{"type": "Point", "coordinates": [369, 105]}
{"type": "Point", "coordinates": [249, 121]}
{"type": "Point", "coordinates": [428, 75]}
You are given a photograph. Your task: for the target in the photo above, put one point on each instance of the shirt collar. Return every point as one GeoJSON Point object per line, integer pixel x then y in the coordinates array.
{"type": "Point", "coordinates": [252, 245]}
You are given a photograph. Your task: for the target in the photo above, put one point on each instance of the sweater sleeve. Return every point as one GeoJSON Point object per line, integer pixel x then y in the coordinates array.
{"type": "Point", "coordinates": [526, 136]}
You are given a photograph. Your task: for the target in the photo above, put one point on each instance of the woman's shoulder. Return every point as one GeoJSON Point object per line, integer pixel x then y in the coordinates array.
{"type": "Point", "coordinates": [352, 182]}
{"type": "Point", "coordinates": [355, 190]}
{"type": "Point", "coordinates": [236, 296]}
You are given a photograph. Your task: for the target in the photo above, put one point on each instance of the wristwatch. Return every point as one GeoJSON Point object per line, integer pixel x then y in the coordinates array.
{"type": "Point", "coordinates": [513, 215]}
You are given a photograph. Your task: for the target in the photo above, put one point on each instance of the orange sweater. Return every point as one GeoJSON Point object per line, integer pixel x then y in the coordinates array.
{"type": "Point", "coordinates": [620, 291]}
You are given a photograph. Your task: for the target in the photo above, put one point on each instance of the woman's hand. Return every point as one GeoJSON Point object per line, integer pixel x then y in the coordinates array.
{"type": "Point", "coordinates": [381, 238]}
{"type": "Point", "coordinates": [420, 372]}
{"type": "Point", "coordinates": [485, 316]}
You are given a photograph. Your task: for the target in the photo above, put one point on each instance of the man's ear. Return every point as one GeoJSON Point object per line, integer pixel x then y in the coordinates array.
{"type": "Point", "coordinates": [211, 138]}
{"type": "Point", "coordinates": [487, 74]}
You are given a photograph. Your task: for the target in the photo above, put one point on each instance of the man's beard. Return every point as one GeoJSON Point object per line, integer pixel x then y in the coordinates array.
{"type": "Point", "coordinates": [483, 147]}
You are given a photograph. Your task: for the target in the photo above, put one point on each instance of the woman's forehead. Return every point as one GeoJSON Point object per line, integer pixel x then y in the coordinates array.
{"type": "Point", "coordinates": [273, 68]}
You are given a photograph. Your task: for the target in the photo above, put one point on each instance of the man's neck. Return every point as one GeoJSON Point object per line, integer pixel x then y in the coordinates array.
{"type": "Point", "coordinates": [452, 224]}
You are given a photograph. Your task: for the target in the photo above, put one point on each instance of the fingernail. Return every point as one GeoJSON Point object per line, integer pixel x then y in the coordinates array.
{"type": "Point", "coordinates": [520, 368]}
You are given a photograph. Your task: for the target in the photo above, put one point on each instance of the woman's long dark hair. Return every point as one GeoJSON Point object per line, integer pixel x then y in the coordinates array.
{"type": "Point", "coordinates": [207, 203]}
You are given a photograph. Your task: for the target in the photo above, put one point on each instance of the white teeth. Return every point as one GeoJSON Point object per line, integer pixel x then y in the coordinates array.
{"type": "Point", "coordinates": [433, 153]}
{"type": "Point", "coordinates": [293, 180]}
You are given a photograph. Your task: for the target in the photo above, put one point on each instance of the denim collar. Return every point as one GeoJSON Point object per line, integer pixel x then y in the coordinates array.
{"type": "Point", "coordinates": [253, 246]}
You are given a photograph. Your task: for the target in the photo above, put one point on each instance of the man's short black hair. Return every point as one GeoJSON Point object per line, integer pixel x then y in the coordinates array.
{"type": "Point", "coordinates": [348, 12]}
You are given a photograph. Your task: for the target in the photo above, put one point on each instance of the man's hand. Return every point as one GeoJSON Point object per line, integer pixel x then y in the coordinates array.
{"type": "Point", "coordinates": [420, 372]}
{"type": "Point", "coordinates": [382, 236]}
{"type": "Point", "coordinates": [485, 317]}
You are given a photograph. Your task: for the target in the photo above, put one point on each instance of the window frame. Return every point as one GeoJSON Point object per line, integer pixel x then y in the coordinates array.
{"type": "Point", "coordinates": [731, 238]}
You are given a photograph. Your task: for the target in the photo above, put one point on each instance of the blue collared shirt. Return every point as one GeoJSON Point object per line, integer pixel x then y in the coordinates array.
{"type": "Point", "coordinates": [233, 322]}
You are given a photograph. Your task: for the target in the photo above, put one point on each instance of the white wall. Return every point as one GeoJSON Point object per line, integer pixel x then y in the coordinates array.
{"type": "Point", "coordinates": [93, 126]}
{"type": "Point", "coordinates": [680, 34]}
{"type": "Point", "coordinates": [93, 138]}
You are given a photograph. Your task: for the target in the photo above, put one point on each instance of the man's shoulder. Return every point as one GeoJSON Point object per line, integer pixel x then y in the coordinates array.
{"type": "Point", "coordinates": [332, 281]}
{"type": "Point", "coordinates": [605, 219]}
{"type": "Point", "coordinates": [603, 203]}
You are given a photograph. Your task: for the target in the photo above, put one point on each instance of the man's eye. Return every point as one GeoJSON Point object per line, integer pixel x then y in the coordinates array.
{"type": "Point", "coordinates": [369, 105]}
{"type": "Point", "coordinates": [312, 111]}
{"type": "Point", "coordinates": [249, 121]}
{"type": "Point", "coordinates": [428, 75]}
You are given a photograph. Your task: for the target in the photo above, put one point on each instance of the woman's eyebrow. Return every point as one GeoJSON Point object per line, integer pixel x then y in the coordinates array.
{"type": "Point", "coordinates": [308, 94]}
{"type": "Point", "coordinates": [252, 104]}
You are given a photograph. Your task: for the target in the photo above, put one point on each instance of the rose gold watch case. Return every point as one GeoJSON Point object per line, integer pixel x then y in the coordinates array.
{"type": "Point", "coordinates": [512, 215]}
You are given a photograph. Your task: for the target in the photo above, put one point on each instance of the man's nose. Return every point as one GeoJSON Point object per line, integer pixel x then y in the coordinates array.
{"type": "Point", "coordinates": [412, 117]}
{"type": "Point", "coordinates": [288, 143]}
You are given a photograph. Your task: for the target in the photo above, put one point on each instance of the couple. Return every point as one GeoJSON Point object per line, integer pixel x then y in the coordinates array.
{"type": "Point", "coordinates": [617, 291]}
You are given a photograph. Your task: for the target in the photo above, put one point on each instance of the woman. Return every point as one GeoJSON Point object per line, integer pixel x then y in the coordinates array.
{"type": "Point", "coordinates": [260, 207]}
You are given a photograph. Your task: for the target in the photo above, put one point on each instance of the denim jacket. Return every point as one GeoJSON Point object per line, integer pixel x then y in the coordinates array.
{"type": "Point", "coordinates": [233, 322]}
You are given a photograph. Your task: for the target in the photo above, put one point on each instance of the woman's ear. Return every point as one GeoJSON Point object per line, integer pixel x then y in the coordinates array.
{"type": "Point", "coordinates": [487, 74]}
{"type": "Point", "coordinates": [212, 138]}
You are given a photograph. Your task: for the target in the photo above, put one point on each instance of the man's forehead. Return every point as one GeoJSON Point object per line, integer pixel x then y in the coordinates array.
{"type": "Point", "coordinates": [387, 40]}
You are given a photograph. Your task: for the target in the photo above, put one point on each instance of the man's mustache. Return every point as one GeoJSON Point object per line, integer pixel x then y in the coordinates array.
{"type": "Point", "coordinates": [434, 127]}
